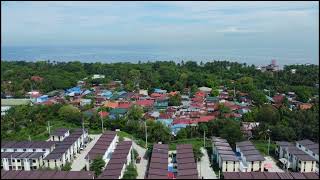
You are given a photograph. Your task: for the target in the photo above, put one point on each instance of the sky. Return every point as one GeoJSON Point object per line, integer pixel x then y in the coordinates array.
{"type": "Point", "coordinates": [171, 26]}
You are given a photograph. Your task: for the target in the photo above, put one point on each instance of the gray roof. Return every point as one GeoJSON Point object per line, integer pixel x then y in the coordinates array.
{"type": "Point", "coordinates": [60, 132]}
{"type": "Point", "coordinates": [301, 155]}
{"type": "Point", "coordinates": [224, 149]}
{"type": "Point", "coordinates": [314, 147]}
{"type": "Point", "coordinates": [27, 144]}
{"type": "Point", "coordinates": [102, 144]}
{"type": "Point", "coordinates": [30, 155]}
{"type": "Point", "coordinates": [117, 161]}
{"type": "Point", "coordinates": [249, 151]}
{"type": "Point", "coordinates": [187, 167]}
{"type": "Point", "coordinates": [63, 146]}
{"type": "Point", "coordinates": [159, 164]}
{"type": "Point", "coordinates": [269, 175]}
{"type": "Point", "coordinates": [47, 174]}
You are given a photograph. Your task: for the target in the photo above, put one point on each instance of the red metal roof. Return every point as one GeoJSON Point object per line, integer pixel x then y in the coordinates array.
{"type": "Point", "coordinates": [145, 103]}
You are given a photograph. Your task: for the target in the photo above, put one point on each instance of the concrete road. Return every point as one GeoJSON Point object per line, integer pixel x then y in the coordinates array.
{"type": "Point", "coordinates": [79, 162]}
{"type": "Point", "coordinates": [274, 168]}
{"type": "Point", "coordinates": [204, 168]}
{"type": "Point", "coordinates": [142, 166]}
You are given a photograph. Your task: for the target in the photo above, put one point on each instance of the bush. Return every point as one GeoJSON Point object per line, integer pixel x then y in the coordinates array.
{"type": "Point", "coordinates": [131, 172]}
{"type": "Point", "coordinates": [66, 167]}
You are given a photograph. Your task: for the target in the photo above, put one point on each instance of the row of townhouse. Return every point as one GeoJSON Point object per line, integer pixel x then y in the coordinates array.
{"type": "Point", "coordinates": [250, 158]}
{"type": "Point", "coordinates": [24, 155]}
{"type": "Point", "coordinates": [104, 147]}
{"type": "Point", "coordinates": [120, 159]}
{"type": "Point", "coordinates": [66, 150]}
{"type": "Point", "coordinates": [223, 155]}
{"type": "Point", "coordinates": [295, 156]}
{"type": "Point", "coordinates": [310, 148]}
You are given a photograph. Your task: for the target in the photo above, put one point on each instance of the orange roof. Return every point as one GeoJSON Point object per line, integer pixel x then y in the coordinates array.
{"type": "Point", "coordinates": [305, 106]}
{"type": "Point", "coordinates": [173, 93]}
{"type": "Point", "coordinates": [111, 104]}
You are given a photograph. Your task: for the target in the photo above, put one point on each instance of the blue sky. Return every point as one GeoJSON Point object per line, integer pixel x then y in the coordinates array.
{"type": "Point", "coordinates": [167, 25]}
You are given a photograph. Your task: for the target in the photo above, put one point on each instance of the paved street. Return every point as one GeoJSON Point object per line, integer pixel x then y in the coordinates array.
{"type": "Point", "coordinates": [274, 168]}
{"type": "Point", "coordinates": [142, 166]}
{"type": "Point", "coordinates": [204, 168]}
{"type": "Point", "coordinates": [79, 162]}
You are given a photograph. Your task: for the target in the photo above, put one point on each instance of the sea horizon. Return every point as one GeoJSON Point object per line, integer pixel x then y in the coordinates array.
{"type": "Point", "coordinates": [134, 54]}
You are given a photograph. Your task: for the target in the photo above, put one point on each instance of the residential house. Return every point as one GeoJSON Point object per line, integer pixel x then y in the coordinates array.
{"type": "Point", "coordinates": [223, 155]}
{"type": "Point", "coordinates": [294, 158]}
{"type": "Point", "coordinates": [310, 148]}
{"type": "Point", "coordinates": [59, 134]}
{"type": "Point", "coordinates": [250, 157]}
{"type": "Point", "coordinates": [84, 102]}
{"type": "Point", "coordinates": [24, 155]}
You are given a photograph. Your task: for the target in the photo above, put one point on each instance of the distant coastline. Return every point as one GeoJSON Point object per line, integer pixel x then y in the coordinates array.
{"type": "Point", "coordinates": [256, 57]}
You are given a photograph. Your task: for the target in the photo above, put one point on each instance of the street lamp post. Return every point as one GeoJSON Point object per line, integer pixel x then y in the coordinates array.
{"type": "Point", "coordinates": [268, 131]}
{"type": "Point", "coordinates": [145, 124]}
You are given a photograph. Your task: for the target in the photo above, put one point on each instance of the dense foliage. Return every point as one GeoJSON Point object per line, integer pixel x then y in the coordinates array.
{"type": "Point", "coordinates": [131, 172]}
{"type": "Point", "coordinates": [97, 165]}
{"type": "Point", "coordinates": [167, 75]}
{"type": "Point", "coordinates": [286, 125]}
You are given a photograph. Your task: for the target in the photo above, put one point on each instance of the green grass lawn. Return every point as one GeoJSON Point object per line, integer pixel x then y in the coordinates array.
{"type": "Point", "coordinates": [140, 142]}
{"type": "Point", "coordinates": [262, 146]}
{"type": "Point", "coordinates": [196, 142]}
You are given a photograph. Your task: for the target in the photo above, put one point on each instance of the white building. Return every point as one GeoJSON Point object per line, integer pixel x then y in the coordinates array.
{"type": "Point", "coordinates": [24, 155]}
{"type": "Point", "coordinates": [104, 147]}
{"type": "Point", "coordinates": [310, 148]}
{"type": "Point", "coordinates": [293, 158]}
{"type": "Point", "coordinates": [98, 76]}
{"type": "Point", "coordinates": [66, 150]}
{"type": "Point", "coordinates": [250, 157]}
{"type": "Point", "coordinates": [59, 134]}
{"type": "Point", "coordinates": [84, 102]}
{"type": "Point", "coordinates": [121, 158]}
{"type": "Point", "coordinates": [224, 156]}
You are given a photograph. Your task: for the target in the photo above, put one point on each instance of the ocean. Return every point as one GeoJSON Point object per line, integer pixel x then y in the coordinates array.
{"type": "Point", "coordinates": [107, 54]}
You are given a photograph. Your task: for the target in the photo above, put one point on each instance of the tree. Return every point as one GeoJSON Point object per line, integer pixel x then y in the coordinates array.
{"type": "Point", "coordinates": [135, 113]}
{"type": "Point", "coordinates": [97, 165]}
{"type": "Point", "coordinates": [268, 114]}
{"type": "Point", "coordinates": [258, 97]}
{"type": "Point", "coordinates": [182, 134]}
{"type": "Point", "coordinates": [70, 113]}
{"type": "Point", "coordinates": [214, 92]}
{"type": "Point", "coordinates": [175, 100]}
{"type": "Point", "coordinates": [131, 172]}
{"type": "Point", "coordinates": [231, 132]}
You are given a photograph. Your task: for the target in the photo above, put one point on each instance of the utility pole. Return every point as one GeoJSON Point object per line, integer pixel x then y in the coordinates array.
{"type": "Point", "coordinates": [29, 138]}
{"type": "Point", "coordinates": [49, 127]}
{"type": "Point", "coordinates": [145, 124]}
{"type": "Point", "coordinates": [101, 121]}
{"type": "Point", "coordinates": [204, 139]}
{"type": "Point", "coordinates": [268, 141]}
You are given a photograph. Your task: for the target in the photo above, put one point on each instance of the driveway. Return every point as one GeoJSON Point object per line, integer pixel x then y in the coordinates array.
{"type": "Point", "coordinates": [79, 162]}
{"type": "Point", "coordinates": [274, 168]}
{"type": "Point", "coordinates": [204, 168]}
{"type": "Point", "coordinates": [142, 166]}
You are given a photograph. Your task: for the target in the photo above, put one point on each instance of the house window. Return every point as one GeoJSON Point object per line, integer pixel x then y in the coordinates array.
{"type": "Point", "coordinates": [299, 145]}
{"type": "Point", "coordinates": [44, 150]}
{"type": "Point", "coordinates": [313, 154]}
{"type": "Point", "coordinates": [13, 160]}
{"type": "Point", "coordinates": [24, 149]}
{"type": "Point", "coordinates": [4, 150]}
{"type": "Point", "coordinates": [34, 161]}
{"type": "Point", "coordinates": [15, 150]}
{"type": "Point", "coordinates": [48, 161]}
{"type": "Point", "coordinates": [34, 150]}
{"type": "Point", "coordinates": [18, 160]}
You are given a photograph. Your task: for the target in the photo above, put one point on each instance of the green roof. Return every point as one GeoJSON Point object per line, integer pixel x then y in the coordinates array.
{"type": "Point", "coordinates": [118, 111]}
{"type": "Point", "coordinates": [14, 102]}
{"type": "Point", "coordinates": [212, 98]}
